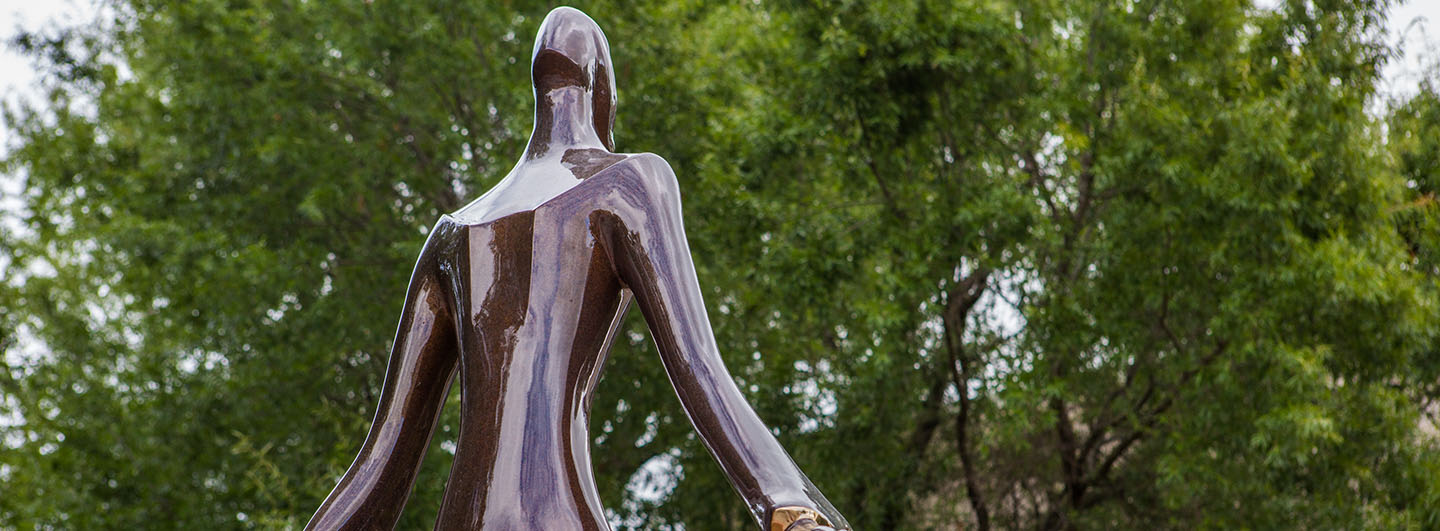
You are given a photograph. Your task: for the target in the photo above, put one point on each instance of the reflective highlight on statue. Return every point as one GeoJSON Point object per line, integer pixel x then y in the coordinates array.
{"type": "Point", "coordinates": [522, 290]}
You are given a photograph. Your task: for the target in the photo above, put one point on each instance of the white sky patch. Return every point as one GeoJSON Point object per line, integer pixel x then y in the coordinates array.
{"type": "Point", "coordinates": [651, 484]}
{"type": "Point", "coordinates": [19, 82]}
{"type": "Point", "coordinates": [1415, 28]}
{"type": "Point", "coordinates": [17, 73]}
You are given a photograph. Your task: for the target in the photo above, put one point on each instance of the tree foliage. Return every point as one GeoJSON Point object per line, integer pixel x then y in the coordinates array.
{"type": "Point", "coordinates": [997, 264]}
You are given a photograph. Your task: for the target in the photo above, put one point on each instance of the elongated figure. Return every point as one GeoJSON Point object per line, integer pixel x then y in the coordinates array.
{"type": "Point", "coordinates": [523, 290]}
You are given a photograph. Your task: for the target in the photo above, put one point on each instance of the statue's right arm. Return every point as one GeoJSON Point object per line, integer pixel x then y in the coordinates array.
{"type": "Point", "coordinates": [643, 231]}
{"type": "Point", "coordinates": [372, 492]}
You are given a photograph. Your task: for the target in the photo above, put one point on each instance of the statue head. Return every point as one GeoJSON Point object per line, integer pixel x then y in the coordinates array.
{"type": "Point", "coordinates": [571, 51]}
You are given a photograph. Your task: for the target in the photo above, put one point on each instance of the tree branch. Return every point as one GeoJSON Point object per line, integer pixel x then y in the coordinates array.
{"type": "Point", "coordinates": [960, 300]}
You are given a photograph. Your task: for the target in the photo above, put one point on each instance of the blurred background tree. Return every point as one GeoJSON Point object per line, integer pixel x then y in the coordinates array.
{"type": "Point", "coordinates": [998, 264]}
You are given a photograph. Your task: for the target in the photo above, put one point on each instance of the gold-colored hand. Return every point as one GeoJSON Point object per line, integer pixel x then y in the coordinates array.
{"type": "Point", "coordinates": [797, 519]}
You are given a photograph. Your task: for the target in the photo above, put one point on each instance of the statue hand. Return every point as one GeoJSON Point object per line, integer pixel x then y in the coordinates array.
{"type": "Point", "coordinates": [806, 524]}
{"type": "Point", "coordinates": [798, 519]}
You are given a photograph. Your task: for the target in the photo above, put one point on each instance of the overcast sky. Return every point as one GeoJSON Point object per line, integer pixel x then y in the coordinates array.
{"type": "Point", "coordinates": [17, 75]}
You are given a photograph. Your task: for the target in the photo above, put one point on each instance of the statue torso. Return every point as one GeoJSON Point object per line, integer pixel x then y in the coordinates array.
{"type": "Point", "coordinates": [537, 303]}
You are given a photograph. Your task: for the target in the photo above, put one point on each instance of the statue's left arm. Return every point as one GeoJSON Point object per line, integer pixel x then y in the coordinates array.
{"type": "Point", "coordinates": [645, 237]}
{"type": "Point", "coordinates": [372, 492]}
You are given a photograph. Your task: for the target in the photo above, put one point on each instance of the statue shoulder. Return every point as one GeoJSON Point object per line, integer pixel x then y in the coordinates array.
{"type": "Point", "coordinates": [650, 172]}
{"type": "Point", "coordinates": [441, 245]}
{"type": "Point", "coordinates": [654, 165]}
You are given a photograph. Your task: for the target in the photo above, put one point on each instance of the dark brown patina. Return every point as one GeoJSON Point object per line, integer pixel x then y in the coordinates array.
{"type": "Point", "coordinates": [523, 290]}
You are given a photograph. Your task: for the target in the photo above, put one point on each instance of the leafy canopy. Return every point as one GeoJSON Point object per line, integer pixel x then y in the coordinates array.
{"type": "Point", "coordinates": [995, 264]}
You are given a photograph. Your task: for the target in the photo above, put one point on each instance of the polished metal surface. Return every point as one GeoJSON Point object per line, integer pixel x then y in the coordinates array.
{"type": "Point", "coordinates": [522, 291]}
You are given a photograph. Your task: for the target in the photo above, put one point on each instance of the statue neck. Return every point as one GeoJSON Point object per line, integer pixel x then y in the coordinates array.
{"type": "Point", "coordinates": [564, 119]}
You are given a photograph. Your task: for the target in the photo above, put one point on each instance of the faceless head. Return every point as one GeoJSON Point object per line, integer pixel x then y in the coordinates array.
{"type": "Point", "coordinates": [571, 51]}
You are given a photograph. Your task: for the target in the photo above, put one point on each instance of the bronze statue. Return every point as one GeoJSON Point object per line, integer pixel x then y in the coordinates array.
{"type": "Point", "coordinates": [524, 289]}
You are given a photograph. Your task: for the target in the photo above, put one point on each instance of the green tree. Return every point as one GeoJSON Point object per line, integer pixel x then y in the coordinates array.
{"type": "Point", "coordinates": [1187, 212]}
{"type": "Point", "coordinates": [998, 264]}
